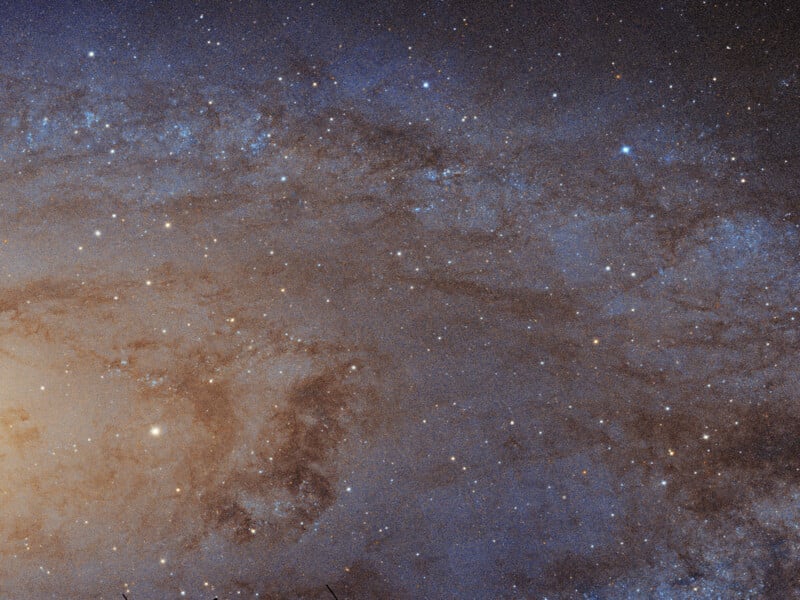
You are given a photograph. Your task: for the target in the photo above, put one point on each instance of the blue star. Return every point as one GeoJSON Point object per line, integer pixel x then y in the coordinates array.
{"type": "Point", "coordinates": [625, 150]}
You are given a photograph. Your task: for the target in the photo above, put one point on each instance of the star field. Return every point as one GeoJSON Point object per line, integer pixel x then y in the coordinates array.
{"type": "Point", "coordinates": [399, 300]}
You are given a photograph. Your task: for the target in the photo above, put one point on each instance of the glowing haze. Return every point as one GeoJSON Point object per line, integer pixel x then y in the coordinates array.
{"type": "Point", "coordinates": [412, 300]}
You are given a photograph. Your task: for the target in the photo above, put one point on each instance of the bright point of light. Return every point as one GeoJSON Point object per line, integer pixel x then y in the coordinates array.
{"type": "Point", "coordinates": [426, 85]}
{"type": "Point", "coordinates": [155, 431]}
{"type": "Point", "coordinates": [625, 150]}
{"type": "Point", "coordinates": [97, 233]}
{"type": "Point", "coordinates": [91, 54]}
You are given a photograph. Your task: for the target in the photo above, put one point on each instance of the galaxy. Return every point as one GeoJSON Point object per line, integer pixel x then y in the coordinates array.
{"type": "Point", "coordinates": [404, 300]}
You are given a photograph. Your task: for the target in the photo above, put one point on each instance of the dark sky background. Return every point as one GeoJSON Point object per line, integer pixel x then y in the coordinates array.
{"type": "Point", "coordinates": [405, 299]}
